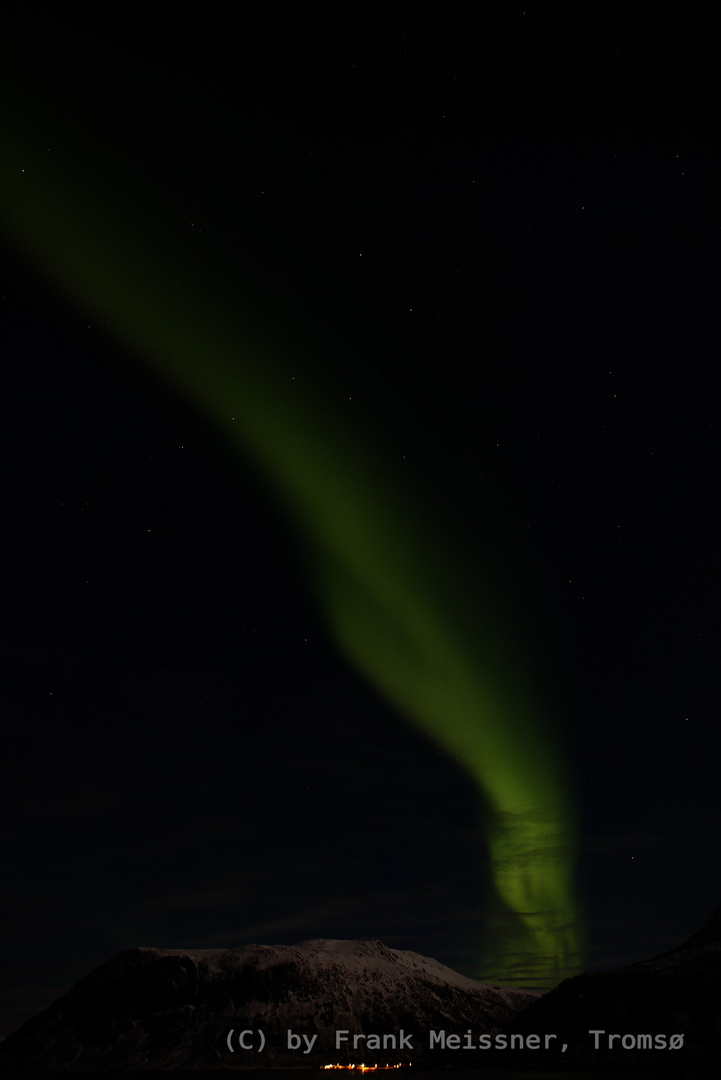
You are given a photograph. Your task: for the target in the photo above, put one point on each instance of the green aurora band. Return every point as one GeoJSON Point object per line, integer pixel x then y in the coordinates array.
{"type": "Point", "coordinates": [379, 564]}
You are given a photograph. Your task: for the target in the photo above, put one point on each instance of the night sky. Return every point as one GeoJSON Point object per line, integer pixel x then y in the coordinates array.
{"type": "Point", "coordinates": [469, 270]}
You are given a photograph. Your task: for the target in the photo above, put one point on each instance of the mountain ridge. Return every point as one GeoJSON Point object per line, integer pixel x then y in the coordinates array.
{"type": "Point", "coordinates": [661, 1011]}
{"type": "Point", "coordinates": [151, 1008]}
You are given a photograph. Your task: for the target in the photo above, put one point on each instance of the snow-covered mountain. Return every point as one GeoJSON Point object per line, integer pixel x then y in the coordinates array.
{"type": "Point", "coordinates": [151, 1008]}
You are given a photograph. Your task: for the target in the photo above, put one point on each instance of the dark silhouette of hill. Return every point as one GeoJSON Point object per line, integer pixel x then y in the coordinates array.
{"type": "Point", "coordinates": [659, 1013]}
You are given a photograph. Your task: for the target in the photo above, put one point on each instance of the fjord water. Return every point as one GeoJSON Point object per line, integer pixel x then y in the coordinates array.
{"type": "Point", "coordinates": [688, 1072]}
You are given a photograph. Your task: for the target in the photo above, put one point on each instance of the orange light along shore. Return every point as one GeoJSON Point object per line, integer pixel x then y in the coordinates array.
{"type": "Point", "coordinates": [368, 1068]}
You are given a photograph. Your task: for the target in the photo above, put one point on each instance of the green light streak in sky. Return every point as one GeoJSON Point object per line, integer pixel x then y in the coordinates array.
{"type": "Point", "coordinates": [379, 566]}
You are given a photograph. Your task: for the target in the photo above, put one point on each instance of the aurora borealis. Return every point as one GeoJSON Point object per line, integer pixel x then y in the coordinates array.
{"type": "Point", "coordinates": [379, 577]}
{"type": "Point", "coordinates": [355, 505]}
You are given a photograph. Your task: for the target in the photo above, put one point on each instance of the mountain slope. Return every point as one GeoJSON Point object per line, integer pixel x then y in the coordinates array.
{"type": "Point", "coordinates": [674, 994]}
{"type": "Point", "coordinates": [150, 1008]}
